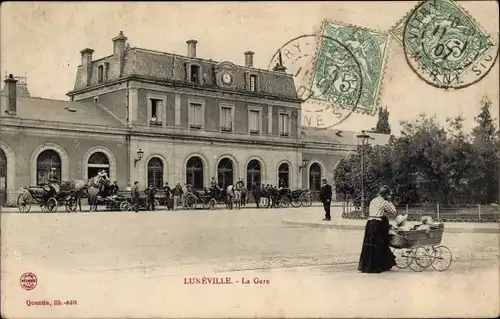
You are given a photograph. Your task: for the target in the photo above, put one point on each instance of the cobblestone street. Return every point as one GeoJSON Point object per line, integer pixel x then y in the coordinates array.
{"type": "Point", "coordinates": [130, 255]}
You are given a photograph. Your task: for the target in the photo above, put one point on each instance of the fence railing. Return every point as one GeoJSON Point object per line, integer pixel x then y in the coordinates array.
{"type": "Point", "coordinates": [438, 212]}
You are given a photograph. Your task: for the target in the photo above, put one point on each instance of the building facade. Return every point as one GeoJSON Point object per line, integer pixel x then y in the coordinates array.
{"type": "Point", "coordinates": [156, 117]}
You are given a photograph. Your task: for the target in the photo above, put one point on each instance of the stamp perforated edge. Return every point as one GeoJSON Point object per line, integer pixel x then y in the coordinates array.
{"type": "Point", "coordinates": [455, 3]}
{"type": "Point", "coordinates": [385, 56]}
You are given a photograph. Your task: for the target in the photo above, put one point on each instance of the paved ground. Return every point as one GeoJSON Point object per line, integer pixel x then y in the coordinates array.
{"type": "Point", "coordinates": [122, 263]}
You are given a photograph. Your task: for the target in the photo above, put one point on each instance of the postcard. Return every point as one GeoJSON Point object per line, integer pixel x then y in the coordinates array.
{"type": "Point", "coordinates": [250, 159]}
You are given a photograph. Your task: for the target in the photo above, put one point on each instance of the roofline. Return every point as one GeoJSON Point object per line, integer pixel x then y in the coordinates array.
{"type": "Point", "coordinates": [211, 61]}
{"type": "Point", "coordinates": [149, 79]}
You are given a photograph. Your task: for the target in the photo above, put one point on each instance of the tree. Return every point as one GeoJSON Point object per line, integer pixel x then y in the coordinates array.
{"type": "Point", "coordinates": [383, 126]}
{"type": "Point", "coordinates": [430, 163]}
{"type": "Point", "coordinates": [485, 144]}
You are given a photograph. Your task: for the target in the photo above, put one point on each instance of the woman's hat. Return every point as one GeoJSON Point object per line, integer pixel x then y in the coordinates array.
{"type": "Point", "coordinates": [400, 219]}
{"type": "Point", "coordinates": [324, 180]}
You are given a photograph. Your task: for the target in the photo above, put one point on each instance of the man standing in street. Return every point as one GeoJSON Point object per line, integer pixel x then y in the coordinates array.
{"type": "Point", "coordinates": [150, 193]}
{"type": "Point", "coordinates": [135, 196]}
{"type": "Point", "coordinates": [177, 195]}
{"type": "Point", "coordinates": [325, 195]}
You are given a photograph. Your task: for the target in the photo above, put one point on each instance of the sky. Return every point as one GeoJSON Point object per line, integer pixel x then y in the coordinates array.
{"type": "Point", "coordinates": [42, 41]}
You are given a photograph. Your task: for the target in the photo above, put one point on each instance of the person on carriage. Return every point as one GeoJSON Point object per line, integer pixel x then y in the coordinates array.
{"type": "Point", "coordinates": [114, 189]}
{"type": "Point", "coordinates": [54, 181]}
{"type": "Point", "coordinates": [282, 184]}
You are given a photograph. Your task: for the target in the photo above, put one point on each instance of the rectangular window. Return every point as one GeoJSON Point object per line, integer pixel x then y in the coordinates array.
{"type": "Point", "coordinates": [254, 121]}
{"type": "Point", "coordinates": [195, 74]}
{"type": "Point", "coordinates": [253, 83]}
{"type": "Point", "coordinates": [156, 106]}
{"type": "Point", "coordinates": [284, 124]}
{"type": "Point", "coordinates": [195, 115]}
{"type": "Point", "coordinates": [226, 119]}
{"type": "Point", "coordinates": [100, 73]}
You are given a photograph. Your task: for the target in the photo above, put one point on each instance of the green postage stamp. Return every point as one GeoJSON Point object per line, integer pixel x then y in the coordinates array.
{"type": "Point", "coordinates": [349, 65]}
{"type": "Point", "coordinates": [444, 45]}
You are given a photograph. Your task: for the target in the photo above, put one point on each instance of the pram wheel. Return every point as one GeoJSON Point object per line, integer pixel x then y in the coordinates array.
{"type": "Point", "coordinates": [403, 258]}
{"type": "Point", "coordinates": [442, 258]}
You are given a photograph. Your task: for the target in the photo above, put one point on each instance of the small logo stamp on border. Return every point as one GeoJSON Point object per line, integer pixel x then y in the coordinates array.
{"type": "Point", "coordinates": [28, 281]}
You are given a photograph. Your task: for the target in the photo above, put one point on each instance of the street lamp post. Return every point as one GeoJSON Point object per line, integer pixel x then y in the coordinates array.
{"type": "Point", "coordinates": [363, 139]}
{"type": "Point", "coordinates": [140, 154]}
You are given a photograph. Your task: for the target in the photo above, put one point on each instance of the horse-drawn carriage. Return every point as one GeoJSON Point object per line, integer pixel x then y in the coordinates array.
{"type": "Point", "coordinates": [47, 198]}
{"type": "Point", "coordinates": [126, 203]}
{"type": "Point", "coordinates": [205, 198]}
{"type": "Point", "coordinates": [285, 197]}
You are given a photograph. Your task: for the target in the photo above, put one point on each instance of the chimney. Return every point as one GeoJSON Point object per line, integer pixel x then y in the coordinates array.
{"type": "Point", "coordinates": [11, 86]}
{"type": "Point", "coordinates": [87, 64]}
{"type": "Point", "coordinates": [191, 48]}
{"type": "Point", "coordinates": [119, 45]}
{"type": "Point", "coordinates": [279, 66]}
{"type": "Point", "coordinates": [249, 59]}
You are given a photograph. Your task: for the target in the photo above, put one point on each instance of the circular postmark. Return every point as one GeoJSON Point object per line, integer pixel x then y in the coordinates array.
{"type": "Point", "coordinates": [327, 77]}
{"type": "Point", "coordinates": [28, 281]}
{"type": "Point", "coordinates": [445, 48]}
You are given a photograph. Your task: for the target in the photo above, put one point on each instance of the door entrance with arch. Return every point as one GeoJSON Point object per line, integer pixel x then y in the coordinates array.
{"type": "Point", "coordinates": [225, 172]}
{"type": "Point", "coordinates": [97, 162]}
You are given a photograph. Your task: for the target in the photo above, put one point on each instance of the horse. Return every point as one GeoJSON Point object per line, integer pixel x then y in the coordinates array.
{"type": "Point", "coordinates": [233, 197]}
{"type": "Point", "coordinates": [244, 195]}
{"type": "Point", "coordinates": [77, 187]}
{"type": "Point", "coordinates": [95, 185]}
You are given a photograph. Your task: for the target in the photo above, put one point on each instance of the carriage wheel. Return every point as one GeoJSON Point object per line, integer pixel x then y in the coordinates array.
{"type": "Point", "coordinates": [124, 206]}
{"type": "Point", "coordinates": [422, 258]}
{"type": "Point", "coordinates": [442, 258]}
{"type": "Point", "coordinates": [306, 200]}
{"type": "Point", "coordinates": [211, 204]}
{"type": "Point", "coordinates": [403, 258]}
{"type": "Point", "coordinates": [284, 202]}
{"type": "Point", "coordinates": [24, 203]}
{"type": "Point", "coordinates": [191, 202]}
{"type": "Point", "coordinates": [296, 203]}
{"type": "Point", "coordinates": [71, 204]}
{"type": "Point", "coordinates": [51, 205]}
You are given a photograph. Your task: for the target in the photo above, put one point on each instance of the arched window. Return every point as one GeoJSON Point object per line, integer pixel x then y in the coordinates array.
{"type": "Point", "coordinates": [225, 172]}
{"type": "Point", "coordinates": [284, 174]}
{"type": "Point", "coordinates": [47, 160]}
{"type": "Point", "coordinates": [253, 174]}
{"type": "Point", "coordinates": [194, 172]}
{"type": "Point", "coordinates": [3, 177]}
{"type": "Point", "coordinates": [98, 161]}
{"type": "Point", "coordinates": [155, 172]}
{"type": "Point", "coordinates": [100, 74]}
{"type": "Point", "coordinates": [315, 179]}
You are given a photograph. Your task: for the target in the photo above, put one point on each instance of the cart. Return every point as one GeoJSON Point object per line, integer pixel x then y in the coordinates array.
{"type": "Point", "coordinates": [206, 200]}
{"type": "Point", "coordinates": [48, 201]}
{"type": "Point", "coordinates": [421, 249]}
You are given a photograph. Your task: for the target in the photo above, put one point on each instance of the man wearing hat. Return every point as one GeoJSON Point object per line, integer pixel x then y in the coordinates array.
{"type": "Point", "coordinates": [53, 181]}
{"type": "Point", "coordinates": [325, 195]}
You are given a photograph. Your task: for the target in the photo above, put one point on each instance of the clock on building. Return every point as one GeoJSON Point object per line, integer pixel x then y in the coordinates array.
{"type": "Point", "coordinates": [226, 78]}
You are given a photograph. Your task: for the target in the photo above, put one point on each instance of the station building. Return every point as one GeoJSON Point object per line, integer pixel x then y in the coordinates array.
{"type": "Point", "coordinates": [157, 117]}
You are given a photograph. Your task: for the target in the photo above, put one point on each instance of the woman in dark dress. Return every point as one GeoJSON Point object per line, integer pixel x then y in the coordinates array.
{"type": "Point", "coordinates": [376, 255]}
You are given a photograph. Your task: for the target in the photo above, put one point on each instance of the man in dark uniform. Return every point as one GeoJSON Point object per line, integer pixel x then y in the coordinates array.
{"type": "Point", "coordinates": [135, 196]}
{"type": "Point", "coordinates": [325, 195]}
{"type": "Point", "coordinates": [150, 194]}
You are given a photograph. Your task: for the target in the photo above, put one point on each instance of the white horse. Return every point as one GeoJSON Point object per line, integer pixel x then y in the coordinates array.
{"type": "Point", "coordinates": [233, 196]}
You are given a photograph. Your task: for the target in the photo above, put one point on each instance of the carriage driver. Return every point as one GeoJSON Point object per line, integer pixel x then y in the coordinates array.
{"type": "Point", "coordinates": [54, 181]}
